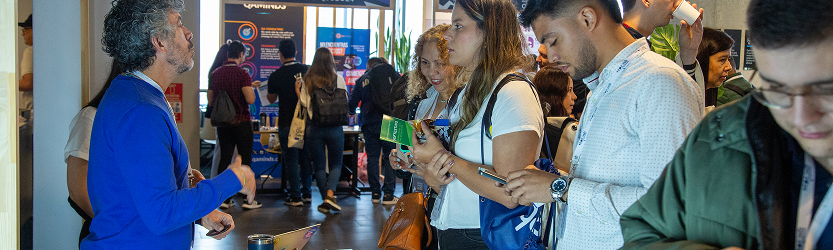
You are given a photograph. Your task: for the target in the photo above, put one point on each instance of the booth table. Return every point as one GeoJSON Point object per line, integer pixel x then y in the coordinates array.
{"type": "Point", "coordinates": [351, 153]}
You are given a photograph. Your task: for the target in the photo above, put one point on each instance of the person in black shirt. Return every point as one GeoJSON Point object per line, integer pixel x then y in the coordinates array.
{"type": "Point", "coordinates": [282, 89]}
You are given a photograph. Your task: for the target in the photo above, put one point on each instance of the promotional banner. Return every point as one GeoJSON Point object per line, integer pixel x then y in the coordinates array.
{"type": "Point", "coordinates": [261, 27]}
{"type": "Point", "coordinates": [349, 47]}
{"type": "Point", "coordinates": [530, 41]}
{"type": "Point", "coordinates": [346, 3]}
{"type": "Point", "coordinates": [260, 30]}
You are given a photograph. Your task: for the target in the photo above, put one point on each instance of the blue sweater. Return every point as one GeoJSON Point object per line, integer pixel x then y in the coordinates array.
{"type": "Point", "coordinates": [137, 175]}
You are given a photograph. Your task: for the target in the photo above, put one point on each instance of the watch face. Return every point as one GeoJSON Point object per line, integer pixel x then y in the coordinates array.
{"type": "Point", "coordinates": [559, 185]}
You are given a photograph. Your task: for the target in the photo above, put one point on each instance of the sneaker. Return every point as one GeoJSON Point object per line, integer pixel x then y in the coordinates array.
{"type": "Point", "coordinates": [323, 208]}
{"type": "Point", "coordinates": [227, 204]}
{"type": "Point", "coordinates": [389, 200]}
{"type": "Point", "coordinates": [294, 201]}
{"type": "Point", "coordinates": [306, 198]}
{"type": "Point", "coordinates": [331, 203]}
{"type": "Point", "coordinates": [376, 198]}
{"type": "Point", "coordinates": [253, 205]}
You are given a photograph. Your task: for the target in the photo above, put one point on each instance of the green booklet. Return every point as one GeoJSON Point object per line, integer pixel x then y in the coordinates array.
{"type": "Point", "coordinates": [396, 130]}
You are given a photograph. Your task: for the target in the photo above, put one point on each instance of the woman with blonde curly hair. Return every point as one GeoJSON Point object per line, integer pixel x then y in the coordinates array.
{"type": "Point", "coordinates": [433, 79]}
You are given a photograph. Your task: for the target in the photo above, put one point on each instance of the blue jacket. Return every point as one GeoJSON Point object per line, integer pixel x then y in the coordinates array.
{"type": "Point", "coordinates": [361, 92]}
{"type": "Point", "coordinates": [137, 175]}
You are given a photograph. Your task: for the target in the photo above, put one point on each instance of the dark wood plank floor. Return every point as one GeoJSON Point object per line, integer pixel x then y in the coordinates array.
{"type": "Point", "coordinates": [357, 226]}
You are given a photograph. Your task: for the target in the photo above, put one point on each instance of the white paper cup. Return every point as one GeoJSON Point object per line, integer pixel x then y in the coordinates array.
{"type": "Point", "coordinates": [685, 12]}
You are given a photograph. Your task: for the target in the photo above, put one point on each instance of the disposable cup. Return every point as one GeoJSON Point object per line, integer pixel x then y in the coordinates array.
{"type": "Point", "coordinates": [686, 12]}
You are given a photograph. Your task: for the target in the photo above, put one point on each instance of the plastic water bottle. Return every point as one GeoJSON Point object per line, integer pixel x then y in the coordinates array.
{"type": "Point", "coordinates": [273, 141]}
{"type": "Point", "coordinates": [356, 122]}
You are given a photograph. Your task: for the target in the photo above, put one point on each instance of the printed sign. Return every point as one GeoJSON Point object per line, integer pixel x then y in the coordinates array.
{"type": "Point", "coordinates": [748, 54]}
{"type": "Point", "coordinates": [735, 52]}
{"type": "Point", "coordinates": [174, 96]}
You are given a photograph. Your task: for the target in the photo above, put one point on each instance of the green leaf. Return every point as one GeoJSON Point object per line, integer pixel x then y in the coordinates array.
{"type": "Point", "coordinates": [665, 42]}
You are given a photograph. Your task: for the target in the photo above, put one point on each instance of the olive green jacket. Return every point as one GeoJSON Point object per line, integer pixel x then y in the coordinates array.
{"type": "Point", "coordinates": [726, 95]}
{"type": "Point", "coordinates": [723, 188]}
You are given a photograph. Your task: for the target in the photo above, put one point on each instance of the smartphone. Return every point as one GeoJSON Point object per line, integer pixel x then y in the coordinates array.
{"type": "Point", "coordinates": [213, 233]}
{"type": "Point", "coordinates": [491, 174]}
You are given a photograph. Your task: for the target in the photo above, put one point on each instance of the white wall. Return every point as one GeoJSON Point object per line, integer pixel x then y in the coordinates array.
{"type": "Point", "coordinates": [9, 200]}
{"type": "Point", "coordinates": [57, 100]}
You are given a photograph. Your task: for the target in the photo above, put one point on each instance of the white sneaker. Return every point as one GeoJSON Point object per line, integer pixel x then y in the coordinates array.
{"type": "Point", "coordinates": [227, 204]}
{"type": "Point", "coordinates": [253, 205]}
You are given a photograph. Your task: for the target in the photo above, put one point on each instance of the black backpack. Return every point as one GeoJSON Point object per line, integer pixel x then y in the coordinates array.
{"type": "Point", "coordinates": [381, 80]}
{"type": "Point", "coordinates": [223, 112]}
{"type": "Point", "coordinates": [329, 106]}
{"type": "Point", "coordinates": [399, 105]}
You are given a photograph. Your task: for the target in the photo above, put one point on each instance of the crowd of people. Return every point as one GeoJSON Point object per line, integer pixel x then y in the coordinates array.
{"type": "Point", "coordinates": [649, 163]}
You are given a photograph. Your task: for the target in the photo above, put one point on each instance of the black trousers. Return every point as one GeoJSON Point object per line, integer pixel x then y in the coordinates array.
{"type": "Point", "coordinates": [228, 137]}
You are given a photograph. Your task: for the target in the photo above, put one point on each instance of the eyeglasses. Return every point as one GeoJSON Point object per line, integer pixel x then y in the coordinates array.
{"type": "Point", "coordinates": [24, 30]}
{"type": "Point", "coordinates": [779, 96]}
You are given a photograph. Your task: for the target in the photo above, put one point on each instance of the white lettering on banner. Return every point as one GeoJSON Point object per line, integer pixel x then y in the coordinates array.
{"type": "Point", "coordinates": [333, 44]}
{"type": "Point", "coordinates": [264, 6]}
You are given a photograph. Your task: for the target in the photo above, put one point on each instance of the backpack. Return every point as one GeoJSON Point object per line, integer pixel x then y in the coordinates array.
{"type": "Point", "coordinates": [223, 112]}
{"type": "Point", "coordinates": [559, 135]}
{"type": "Point", "coordinates": [736, 89]}
{"type": "Point", "coordinates": [381, 80]}
{"type": "Point", "coordinates": [329, 107]}
{"type": "Point", "coordinates": [399, 102]}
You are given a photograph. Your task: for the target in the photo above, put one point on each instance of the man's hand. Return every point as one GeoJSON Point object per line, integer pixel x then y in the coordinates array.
{"type": "Point", "coordinates": [217, 220]}
{"type": "Point", "coordinates": [246, 177]}
{"type": "Point", "coordinates": [195, 178]}
{"type": "Point", "coordinates": [690, 37]}
{"type": "Point", "coordinates": [529, 185]}
{"type": "Point", "coordinates": [256, 84]}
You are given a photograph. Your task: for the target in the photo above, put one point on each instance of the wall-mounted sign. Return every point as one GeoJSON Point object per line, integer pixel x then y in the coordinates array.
{"type": "Point", "coordinates": [174, 96]}
{"type": "Point", "coordinates": [351, 3]}
{"type": "Point", "coordinates": [748, 54]}
{"type": "Point", "coordinates": [736, 35]}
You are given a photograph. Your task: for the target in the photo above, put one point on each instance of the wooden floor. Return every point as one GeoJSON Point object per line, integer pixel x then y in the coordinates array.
{"type": "Point", "coordinates": [357, 226]}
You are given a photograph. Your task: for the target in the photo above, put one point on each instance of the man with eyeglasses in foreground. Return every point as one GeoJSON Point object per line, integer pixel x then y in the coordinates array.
{"type": "Point", "coordinates": [757, 173]}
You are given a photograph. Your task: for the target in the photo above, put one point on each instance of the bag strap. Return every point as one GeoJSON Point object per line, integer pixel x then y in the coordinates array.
{"type": "Point", "coordinates": [736, 89]}
{"type": "Point", "coordinates": [487, 115]}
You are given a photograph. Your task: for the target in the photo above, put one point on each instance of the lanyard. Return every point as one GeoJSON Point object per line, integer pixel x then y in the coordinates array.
{"type": "Point", "coordinates": [595, 100]}
{"type": "Point", "coordinates": [807, 232]}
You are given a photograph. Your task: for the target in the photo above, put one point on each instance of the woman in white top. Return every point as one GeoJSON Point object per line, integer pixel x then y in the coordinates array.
{"type": "Point", "coordinates": [77, 154]}
{"type": "Point", "coordinates": [485, 39]}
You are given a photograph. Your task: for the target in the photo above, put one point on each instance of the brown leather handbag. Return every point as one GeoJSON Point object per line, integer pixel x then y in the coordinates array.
{"type": "Point", "coordinates": [406, 225]}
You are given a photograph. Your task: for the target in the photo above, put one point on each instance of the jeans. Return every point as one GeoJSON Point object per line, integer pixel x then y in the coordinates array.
{"type": "Point", "coordinates": [239, 135]}
{"type": "Point", "coordinates": [294, 159]}
{"type": "Point", "coordinates": [375, 147]}
{"type": "Point", "coordinates": [461, 239]}
{"type": "Point", "coordinates": [315, 140]}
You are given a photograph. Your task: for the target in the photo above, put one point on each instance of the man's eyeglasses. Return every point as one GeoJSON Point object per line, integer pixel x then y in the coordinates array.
{"type": "Point", "coordinates": [779, 96]}
{"type": "Point", "coordinates": [24, 30]}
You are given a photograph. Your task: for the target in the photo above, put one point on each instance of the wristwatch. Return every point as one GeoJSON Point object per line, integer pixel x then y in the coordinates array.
{"type": "Point", "coordinates": [559, 187]}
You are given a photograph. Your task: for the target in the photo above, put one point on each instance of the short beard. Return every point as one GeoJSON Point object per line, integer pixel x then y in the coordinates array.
{"type": "Point", "coordinates": [176, 59]}
{"type": "Point", "coordinates": [587, 64]}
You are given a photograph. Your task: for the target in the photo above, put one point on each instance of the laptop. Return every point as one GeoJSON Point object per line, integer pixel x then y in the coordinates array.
{"type": "Point", "coordinates": [295, 239]}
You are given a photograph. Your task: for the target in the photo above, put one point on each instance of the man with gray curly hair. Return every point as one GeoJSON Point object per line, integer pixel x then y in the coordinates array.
{"type": "Point", "coordinates": [141, 188]}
